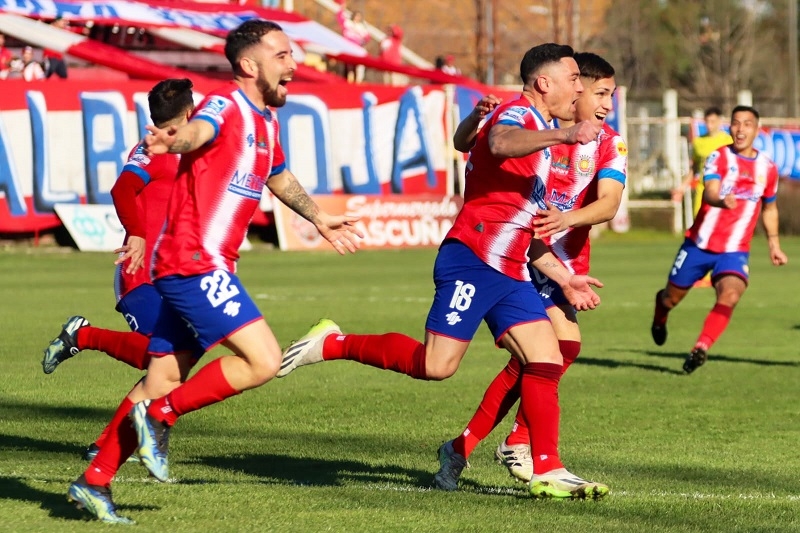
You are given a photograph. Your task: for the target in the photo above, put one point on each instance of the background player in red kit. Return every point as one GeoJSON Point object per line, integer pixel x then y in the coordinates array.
{"type": "Point", "coordinates": [140, 196]}
{"type": "Point", "coordinates": [481, 270]}
{"type": "Point", "coordinates": [740, 182]}
{"type": "Point", "coordinates": [584, 187]}
{"type": "Point", "coordinates": [230, 151]}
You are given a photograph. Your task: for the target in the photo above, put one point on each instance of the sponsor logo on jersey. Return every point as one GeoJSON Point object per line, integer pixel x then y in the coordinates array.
{"type": "Point", "coordinates": [622, 148]}
{"type": "Point", "coordinates": [560, 165]}
{"type": "Point", "coordinates": [515, 113]}
{"type": "Point", "coordinates": [247, 184]}
{"type": "Point", "coordinates": [214, 107]}
{"type": "Point", "coordinates": [538, 193]}
{"type": "Point", "coordinates": [562, 201]}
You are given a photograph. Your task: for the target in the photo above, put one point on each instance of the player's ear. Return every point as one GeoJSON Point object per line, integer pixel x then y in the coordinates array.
{"type": "Point", "coordinates": [248, 66]}
{"type": "Point", "coordinates": [542, 83]}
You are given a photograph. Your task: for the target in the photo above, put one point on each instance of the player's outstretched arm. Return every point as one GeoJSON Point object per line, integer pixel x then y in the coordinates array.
{"type": "Point", "coordinates": [711, 195]}
{"type": "Point", "coordinates": [577, 289]}
{"type": "Point", "coordinates": [467, 130]}
{"type": "Point", "coordinates": [336, 229]}
{"type": "Point", "coordinates": [178, 140]}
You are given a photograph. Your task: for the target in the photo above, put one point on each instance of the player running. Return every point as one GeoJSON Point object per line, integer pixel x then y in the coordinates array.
{"type": "Point", "coordinates": [584, 188]}
{"type": "Point", "coordinates": [740, 182]}
{"type": "Point", "coordinates": [481, 270]}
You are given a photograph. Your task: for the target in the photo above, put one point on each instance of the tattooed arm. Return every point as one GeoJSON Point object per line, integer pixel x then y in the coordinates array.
{"type": "Point", "coordinates": [577, 289]}
{"type": "Point", "coordinates": [336, 229]}
{"type": "Point", "coordinates": [178, 140]}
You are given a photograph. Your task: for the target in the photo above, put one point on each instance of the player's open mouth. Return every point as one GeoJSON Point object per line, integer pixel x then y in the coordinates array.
{"type": "Point", "coordinates": [599, 116]}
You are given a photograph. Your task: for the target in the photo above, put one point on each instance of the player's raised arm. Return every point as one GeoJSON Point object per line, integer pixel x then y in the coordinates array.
{"type": "Point", "coordinates": [336, 229]}
{"type": "Point", "coordinates": [180, 140]}
{"type": "Point", "coordinates": [467, 130]}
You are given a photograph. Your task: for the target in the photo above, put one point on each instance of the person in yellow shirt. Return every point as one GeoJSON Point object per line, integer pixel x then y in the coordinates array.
{"type": "Point", "coordinates": [702, 147]}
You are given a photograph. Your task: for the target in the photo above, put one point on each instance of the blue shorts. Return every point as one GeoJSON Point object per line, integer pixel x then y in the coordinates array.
{"type": "Point", "coordinates": [692, 263]}
{"type": "Point", "coordinates": [141, 308]}
{"type": "Point", "coordinates": [213, 305]}
{"type": "Point", "coordinates": [468, 291]}
{"type": "Point", "coordinates": [549, 291]}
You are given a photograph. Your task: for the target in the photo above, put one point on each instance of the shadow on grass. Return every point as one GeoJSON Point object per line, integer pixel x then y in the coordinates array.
{"type": "Point", "coordinates": [11, 410]}
{"type": "Point", "coordinates": [326, 472]}
{"type": "Point", "coordinates": [18, 443]}
{"type": "Point", "coordinates": [716, 357]}
{"type": "Point", "coordinates": [613, 363]}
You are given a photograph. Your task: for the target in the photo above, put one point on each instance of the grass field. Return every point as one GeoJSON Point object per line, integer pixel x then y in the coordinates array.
{"type": "Point", "coordinates": [342, 447]}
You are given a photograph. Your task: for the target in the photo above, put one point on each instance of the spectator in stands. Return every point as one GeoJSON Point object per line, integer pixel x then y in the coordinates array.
{"type": "Point", "coordinates": [54, 61]}
{"type": "Point", "coordinates": [391, 52]}
{"type": "Point", "coordinates": [449, 67]}
{"type": "Point", "coordinates": [5, 58]}
{"type": "Point", "coordinates": [354, 29]}
{"type": "Point", "coordinates": [26, 67]}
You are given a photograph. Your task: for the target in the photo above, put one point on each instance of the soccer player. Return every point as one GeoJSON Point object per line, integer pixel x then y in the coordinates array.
{"type": "Point", "coordinates": [584, 188]}
{"type": "Point", "coordinates": [140, 197]}
{"type": "Point", "coordinates": [740, 182]}
{"type": "Point", "coordinates": [230, 151]}
{"type": "Point", "coordinates": [481, 270]}
{"type": "Point", "coordinates": [703, 146]}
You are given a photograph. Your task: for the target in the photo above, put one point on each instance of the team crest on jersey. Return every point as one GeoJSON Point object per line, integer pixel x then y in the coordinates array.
{"type": "Point", "coordinates": [622, 148]}
{"type": "Point", "coordinates": [247, 184]}
{"type": "Point", "coordinates": [584, 166]}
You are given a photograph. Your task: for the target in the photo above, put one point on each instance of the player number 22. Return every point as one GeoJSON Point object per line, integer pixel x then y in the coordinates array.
{"type": "Point", "coordinates": [217, 287]}
{"type": "Point", "coordinates": [462, 296]}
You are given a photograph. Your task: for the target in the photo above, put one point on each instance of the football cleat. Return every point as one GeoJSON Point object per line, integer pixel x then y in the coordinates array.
{"type": "Point", "coordinates": [695, 360]}
{"type": "Point", "coordinates": [451, 464]}
{"type": "Point", "coordinates": [561, 484]}
{"type": "Point", "coordinates": [658, 331]}
{"type": "Point", "coordinates": [517, 459]}
{"type": "Point", "coordinates": [153, 438]}
{"type": "Point", "coordinates": [95, 500]}
{"type": "Point", "coordinates": [65, 345]}
{"type": "Point", "coordinates": [91, 452]}
{"type": "Point", "coordinates": [308, 350]}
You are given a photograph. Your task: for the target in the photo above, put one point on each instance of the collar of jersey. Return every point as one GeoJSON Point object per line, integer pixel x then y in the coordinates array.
{"type": "Point", "coordinates": [265, 112]}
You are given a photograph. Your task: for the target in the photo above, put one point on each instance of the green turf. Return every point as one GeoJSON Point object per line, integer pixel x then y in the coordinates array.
{"type": "Point", "coordinates": [342, 447]}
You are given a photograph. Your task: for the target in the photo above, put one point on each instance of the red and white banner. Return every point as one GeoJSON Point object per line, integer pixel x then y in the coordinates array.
{"type": "Point", "coordinates": [396, 221]}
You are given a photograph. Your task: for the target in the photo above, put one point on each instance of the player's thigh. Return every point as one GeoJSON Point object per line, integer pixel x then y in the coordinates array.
{"type": "Point", "coordinates": [140, 308]}
{"type": "Point", "coordinates": [730, 288]}
{"type": "Point", "coordinates": [466, 288]}
{"type": "Point", "coordinates": [690, 265]}
{"type": "Point", "coordinates": [256, 344]}
{"type": "Point", "coordinates": [519, 323]}
{"type": "Point", "coordinates": [732, 264]}
{"type": "Point", "coordinates": [533, 342]}
{"type": "Point", "coordinates": [565, 322]}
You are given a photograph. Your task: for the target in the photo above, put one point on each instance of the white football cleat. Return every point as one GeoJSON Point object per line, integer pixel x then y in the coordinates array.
{"type": "Point", "coordinates": [308, 350]}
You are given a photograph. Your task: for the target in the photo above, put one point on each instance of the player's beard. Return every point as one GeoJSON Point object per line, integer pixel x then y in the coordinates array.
{"type": "Point", "coordinates": [271, 95]}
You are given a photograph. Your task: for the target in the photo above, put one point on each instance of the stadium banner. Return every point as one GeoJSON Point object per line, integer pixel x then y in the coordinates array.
{"type": "Point", "coordinates": [393, 221]}
{"type": "Point", "coordinates": [65, 142]}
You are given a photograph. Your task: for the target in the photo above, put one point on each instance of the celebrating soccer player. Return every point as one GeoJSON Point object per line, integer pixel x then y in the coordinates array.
{"type": "Point", "coordinates": [740, 182]}
{"type": "Point", "coordinates": [481, 269]}
{"type": "Point", "coordinates": [230, 151]}
{"type": "Point", "coordinates": [584, 187]}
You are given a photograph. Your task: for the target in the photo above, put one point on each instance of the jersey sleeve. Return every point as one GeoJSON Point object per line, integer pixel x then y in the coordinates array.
{"type": "Point", "coordinates": [513, 116]}
{"type": "Point", "coordinates": [214, 110]}
{"type": "Point", "coordinates": [129, 184]}
{"type": "Point", "coordinates": [278, 158]}
{"type": "Point", "coordinates": [613, 163]}
{"type": "Point", "coordinates": [771, 190]}
{"type": "Point", "coordinates": [714, 166]}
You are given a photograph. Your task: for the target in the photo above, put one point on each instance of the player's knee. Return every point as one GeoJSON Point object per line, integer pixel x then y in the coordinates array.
{"type": "Point", "coordinates": [439, 370]}
{"type": "Point", "coordinates": [265, 369]}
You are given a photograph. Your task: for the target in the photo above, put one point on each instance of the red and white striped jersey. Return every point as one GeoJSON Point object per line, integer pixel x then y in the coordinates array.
{"type": "Point", "coordinates": [575, 171]}
{"type": "Point", "coordinates": [219, 186]}
{"type": "Point", "coordinates": [141, 194]}
{"type": "Point", "coordinates": [752, 181]}
{"type": "Point", "coordinates": [501, 196]}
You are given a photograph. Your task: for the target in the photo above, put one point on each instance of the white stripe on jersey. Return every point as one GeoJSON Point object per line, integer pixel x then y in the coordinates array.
{"type": "Point", "coordinates": [219, 221]}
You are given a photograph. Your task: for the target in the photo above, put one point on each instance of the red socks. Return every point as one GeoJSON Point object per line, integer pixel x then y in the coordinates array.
{"type": "Point", "coordinates": [498, 399]}
{"type": "Point", "coordinates": [541, 412]}
{"type": "Point", "coordinates": [127, 346]}
{"type": "Point", "coordinates": [120, 442]}
{"type": "Point", "coordinates": [390, 351]}
{"type": "Point", "coordinates": [206, 387]}
{"type": "Point", "coordinates": [716, 322]}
